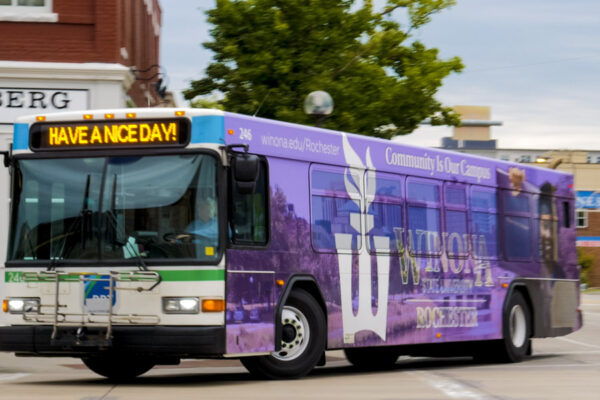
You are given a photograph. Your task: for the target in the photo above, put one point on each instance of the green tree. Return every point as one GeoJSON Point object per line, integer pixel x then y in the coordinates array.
{"type": "Point", "coordinates": [585, 261]}
{"type": "Point", "coordinates": [269, 54]}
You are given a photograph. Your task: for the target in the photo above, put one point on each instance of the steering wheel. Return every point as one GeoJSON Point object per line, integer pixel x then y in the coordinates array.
{"type": "Point", "coordinates": [185, 237]}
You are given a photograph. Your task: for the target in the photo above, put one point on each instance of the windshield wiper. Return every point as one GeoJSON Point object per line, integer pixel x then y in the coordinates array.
{"type": "Point", "coordinates": [85, 214]}
{"type": "Point", "coordinates": [80, 221]}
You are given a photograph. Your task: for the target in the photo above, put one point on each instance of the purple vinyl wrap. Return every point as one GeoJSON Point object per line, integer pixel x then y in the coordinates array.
{"type": "Point", "coordinates": [408, 245]}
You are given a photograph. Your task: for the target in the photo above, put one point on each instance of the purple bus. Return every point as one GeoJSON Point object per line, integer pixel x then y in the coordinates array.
{"type": "Point", "coordinates": [144, 236]}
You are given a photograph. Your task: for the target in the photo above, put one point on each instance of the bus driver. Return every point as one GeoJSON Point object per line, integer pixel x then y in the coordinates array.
{"type": "Point", "coordinates": [205, 224]}
{"type": "Point", "coordinates": [204, 228]}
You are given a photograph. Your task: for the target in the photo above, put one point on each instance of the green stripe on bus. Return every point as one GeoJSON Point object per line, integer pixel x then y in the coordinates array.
{"type": "Point", "coordinates": [167, 276]}
{"type": "Point", "coordinates": [193, 275]}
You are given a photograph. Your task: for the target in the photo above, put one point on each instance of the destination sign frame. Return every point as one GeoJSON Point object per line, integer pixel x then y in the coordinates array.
{"type": "Point", "coordinates": [110, 134]}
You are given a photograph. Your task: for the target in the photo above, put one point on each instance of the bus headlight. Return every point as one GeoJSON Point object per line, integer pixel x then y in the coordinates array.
{"type": "Point", "coordinates": [180, 305]}
{"type": "Point", "coordinates": [21, 305]}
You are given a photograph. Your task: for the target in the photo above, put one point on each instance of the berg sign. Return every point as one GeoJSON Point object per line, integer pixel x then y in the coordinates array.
{"type": "Point", "coordinates": [15, 102]}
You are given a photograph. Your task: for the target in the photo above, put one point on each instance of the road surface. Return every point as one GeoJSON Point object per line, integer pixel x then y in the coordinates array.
{"type": "Point", "coordinates": [565, 368]}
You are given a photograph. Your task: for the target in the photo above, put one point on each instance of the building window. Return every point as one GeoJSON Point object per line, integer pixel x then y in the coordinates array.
{"type": "Point", "coordinates": [24, 3]}
{"type": "Point", "coordinates": [582, 219]}
{"type": "Point", "coordinates": [597, 159]}
{"type": "Point", "coordinates": [525, 158]}
{"type": "Point", "coordinates": [27, 11]}
{"type": "Point", "coordinates": [504, 157]}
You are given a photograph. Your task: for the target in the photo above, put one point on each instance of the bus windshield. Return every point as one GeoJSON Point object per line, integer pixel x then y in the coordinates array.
{"type": "Point", "coordinates": [115, 208]}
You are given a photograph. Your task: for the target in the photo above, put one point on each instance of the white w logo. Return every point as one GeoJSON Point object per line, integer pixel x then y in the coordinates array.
{"type": "Point", "coordinates": [364, 318]}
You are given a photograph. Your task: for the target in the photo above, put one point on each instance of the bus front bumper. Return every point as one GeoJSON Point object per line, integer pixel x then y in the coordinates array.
{"type": "Point", "coordinates": [168, 341]}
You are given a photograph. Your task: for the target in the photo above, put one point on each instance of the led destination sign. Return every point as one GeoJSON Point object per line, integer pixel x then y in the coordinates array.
{"type": "Point", "coordinates": [109, 134]}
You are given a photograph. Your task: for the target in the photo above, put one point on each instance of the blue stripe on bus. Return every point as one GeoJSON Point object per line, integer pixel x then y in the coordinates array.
{"type": "Point", "coordinates": [208, 129]}
{"type": "Point", "coordinates": [21, 139]}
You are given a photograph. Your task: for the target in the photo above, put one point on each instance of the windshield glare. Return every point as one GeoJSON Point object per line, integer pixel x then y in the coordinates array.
{"type": "Point", "coordinates": [158, 207]}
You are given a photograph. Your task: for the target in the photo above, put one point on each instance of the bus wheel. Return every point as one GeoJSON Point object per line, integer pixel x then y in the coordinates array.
{"type": "Point", "coordinates": [516, 327]}
{"type": "Point", "coordinates": [372, 358]}
{"type": "Point", "coordinates": [118, 368]}
{"type": "Point", "coordinates": [302, 340]}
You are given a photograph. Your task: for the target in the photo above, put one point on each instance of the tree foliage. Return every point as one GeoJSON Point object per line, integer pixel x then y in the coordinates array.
{"type": "Point", "coordinates": [585, 261]}
{"type": "Point", "coordinates": [269, 54]}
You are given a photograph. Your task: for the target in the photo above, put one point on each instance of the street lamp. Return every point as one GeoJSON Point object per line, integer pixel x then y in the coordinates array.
{"type": "Point", "coordinates": [319, 104]}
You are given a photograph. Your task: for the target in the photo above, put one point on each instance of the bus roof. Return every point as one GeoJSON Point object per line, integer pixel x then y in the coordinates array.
{"type": "Point", "coordinates": [300, 142]}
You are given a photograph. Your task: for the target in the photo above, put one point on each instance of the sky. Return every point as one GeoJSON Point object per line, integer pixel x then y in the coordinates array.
{"type": "Point", "coordinates": [536, 63]}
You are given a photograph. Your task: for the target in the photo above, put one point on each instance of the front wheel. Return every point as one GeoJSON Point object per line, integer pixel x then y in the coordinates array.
{"type": "Point", "coordinates": [302, 340]}
{"type": "Point", "coordinates": [118, 368]}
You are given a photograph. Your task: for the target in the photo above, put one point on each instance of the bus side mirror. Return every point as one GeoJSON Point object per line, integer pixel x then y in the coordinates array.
{"type": "Point", "coordinates": [244, 168]}
{"type": "Point", "coordinates": [7, 158]}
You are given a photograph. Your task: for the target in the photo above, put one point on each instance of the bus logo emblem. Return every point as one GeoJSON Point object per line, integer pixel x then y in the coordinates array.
{"type": "Point", "coordinates": [364, 319]}
{"type": "Point", "coordinates": [96, 295]}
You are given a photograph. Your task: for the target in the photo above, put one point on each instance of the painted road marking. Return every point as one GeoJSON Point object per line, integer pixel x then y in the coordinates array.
{"type": "Point", "coordinates": [450, 387]}
{"type": "Point", "coordinates": [578, 342]}
{"type": "Point", "coordinates": [10, 377]}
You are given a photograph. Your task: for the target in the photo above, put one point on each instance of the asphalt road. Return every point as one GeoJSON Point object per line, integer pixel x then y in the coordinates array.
{"type": "Point", "coordinates": [566, 368]}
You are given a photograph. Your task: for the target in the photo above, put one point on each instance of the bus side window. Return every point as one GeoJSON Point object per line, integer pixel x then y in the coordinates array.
{"type": "Point", "coordinates": [517, 225]}
{"type": "Point", "coordinates": [484, 223]}
{"type": "Point", "coordinates": [424, 224]}
{"type": "Point", "coordinates": [567, 213]}
{"type": "Point", "coordinates": [455, 214]}
{"type": "Point", "coordinates": [333, 207]}
{"type": "Point", "coordinates": [249, 217]}
{"type": "Point", "coordinates": [385, 207]}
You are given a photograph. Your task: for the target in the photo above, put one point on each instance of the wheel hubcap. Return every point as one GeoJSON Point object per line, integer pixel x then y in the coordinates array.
{"type": "Point", "coordinates": [518, 326]}
{"type": "Point", "coordinates": [294, 336]}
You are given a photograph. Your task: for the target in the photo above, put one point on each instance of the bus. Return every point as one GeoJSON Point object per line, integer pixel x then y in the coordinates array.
{"type": "Point", "coordinates": [141, 237]}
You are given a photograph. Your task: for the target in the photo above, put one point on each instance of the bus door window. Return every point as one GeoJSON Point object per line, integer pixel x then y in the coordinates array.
{"type": "Point", "coordinates": [249, 221]}
{"type": "Point", "coordinates": [424, 225]}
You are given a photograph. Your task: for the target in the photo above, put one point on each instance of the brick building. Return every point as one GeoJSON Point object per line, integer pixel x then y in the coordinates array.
{"type": "Point", "coordinates": [70, 55]}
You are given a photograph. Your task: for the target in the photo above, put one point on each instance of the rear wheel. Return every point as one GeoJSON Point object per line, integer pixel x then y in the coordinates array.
{"type": "Point", "coordinates": [118, 368]}
{"type": "Point", "coordinates": [372, 358]}
{"type": "Point", "coordinates": [302, 340]}
{"type": "Point", "coordinates": [516, 331]}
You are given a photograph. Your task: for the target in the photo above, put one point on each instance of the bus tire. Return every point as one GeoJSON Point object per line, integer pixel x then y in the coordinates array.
{"type": "Point", "coordinates": [302, 343]}
{"type": "Point", "coordinates": [118, 368]}
{"type": "Point", "coordinates": [516, 329]}
{"type": "Point", "coordinates": [372, 358]}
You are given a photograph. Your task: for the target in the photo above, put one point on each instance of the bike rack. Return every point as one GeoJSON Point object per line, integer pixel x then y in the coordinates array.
{"type": "Point", "coordinates": [91, 319]}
